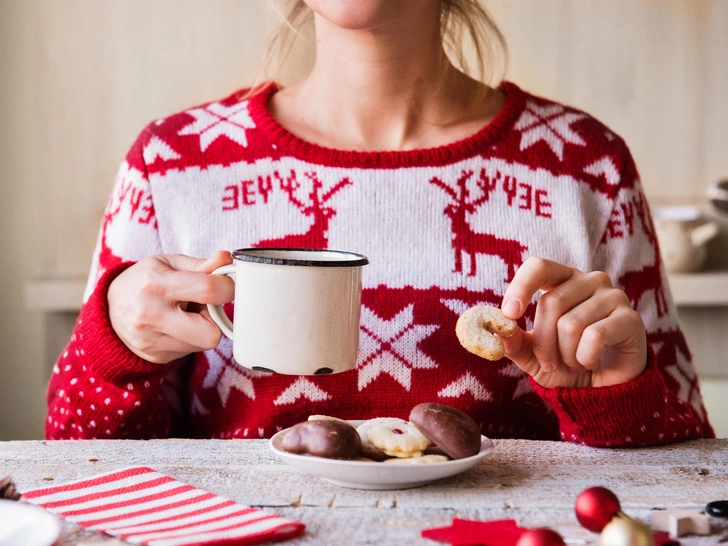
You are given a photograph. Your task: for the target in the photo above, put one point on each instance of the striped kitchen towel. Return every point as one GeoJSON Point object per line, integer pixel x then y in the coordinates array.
{"type": "Point", "coordinates": [142, 506]}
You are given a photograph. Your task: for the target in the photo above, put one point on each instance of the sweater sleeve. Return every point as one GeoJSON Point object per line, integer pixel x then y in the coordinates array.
{"type": "Point", "coordinates": [663, 404]}
{"type": "Point", "coordinates": [99, 388]}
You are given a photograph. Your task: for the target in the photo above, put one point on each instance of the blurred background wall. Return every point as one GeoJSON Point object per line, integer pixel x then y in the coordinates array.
{"type": "Point", "coordinates": [80, 78]}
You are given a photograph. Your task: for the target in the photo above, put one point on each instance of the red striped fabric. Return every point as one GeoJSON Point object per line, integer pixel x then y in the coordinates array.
{"type": "Point", "coordinates": [142, 506]}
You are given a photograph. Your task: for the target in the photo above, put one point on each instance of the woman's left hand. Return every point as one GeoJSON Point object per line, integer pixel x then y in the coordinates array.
{"type": "Point", "coordinates": [585, 332]}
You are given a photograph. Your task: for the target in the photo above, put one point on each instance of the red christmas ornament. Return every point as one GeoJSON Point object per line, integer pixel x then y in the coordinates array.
{"type": "Point", "coordinates": [540, 537]}
{"type": "Point", "coordinates": [595, 507]}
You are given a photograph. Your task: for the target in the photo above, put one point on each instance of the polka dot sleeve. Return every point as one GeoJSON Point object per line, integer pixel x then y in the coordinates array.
{"type": "Point", "coordinates": [99, 388]}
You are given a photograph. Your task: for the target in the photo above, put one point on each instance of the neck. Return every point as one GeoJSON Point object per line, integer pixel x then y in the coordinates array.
{"type": "Point", "coordinates": [381, 88]}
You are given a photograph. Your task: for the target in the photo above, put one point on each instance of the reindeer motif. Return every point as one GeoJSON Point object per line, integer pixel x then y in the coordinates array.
{"type": "Point", "coordinates": [464, 239]}
{"type": "Point", "coordinates": [317, 235]}
{"type": "Point", "coordinates": [637, 283]}
{"type": "Point", "coordinates": [135, 197]}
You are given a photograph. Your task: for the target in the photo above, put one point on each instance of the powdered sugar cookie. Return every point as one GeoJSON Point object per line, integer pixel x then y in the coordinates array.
{"type": "Point", "coordinates": [367, 447]}
{"type": "Point", "coordinates": [394, 437]}
{"type": "Point", "coordinates": [420, 460]}
{"type": "Point", "coordinates": [475, 329]}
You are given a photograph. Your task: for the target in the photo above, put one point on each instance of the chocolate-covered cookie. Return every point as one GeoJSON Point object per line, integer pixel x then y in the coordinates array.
{"type": "Point", "coordinates": [329, 438]}
{"type": "Point", "coordinates": [453, 431]}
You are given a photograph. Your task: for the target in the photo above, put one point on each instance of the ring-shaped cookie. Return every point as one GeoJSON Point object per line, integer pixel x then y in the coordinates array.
{"type": "Point", "coordinates": [476, 328]}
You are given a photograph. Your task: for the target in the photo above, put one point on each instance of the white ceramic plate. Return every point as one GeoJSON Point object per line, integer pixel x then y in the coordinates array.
{"type": "Point", "coordinates": [27, 525]}
{"type": "Point", "coordinates": [377, 476]}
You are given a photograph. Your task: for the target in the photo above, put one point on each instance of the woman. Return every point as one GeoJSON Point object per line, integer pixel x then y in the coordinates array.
{"type": "Point", "coordinates": [459, 194]}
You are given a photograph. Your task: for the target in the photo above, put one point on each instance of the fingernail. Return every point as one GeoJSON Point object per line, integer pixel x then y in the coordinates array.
{"type": "Point", "coordinates": [547, 367]}
{"type": "Point", "coordinates": [512, 308]}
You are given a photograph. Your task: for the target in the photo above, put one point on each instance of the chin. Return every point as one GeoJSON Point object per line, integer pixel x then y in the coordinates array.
{"type": "Point", "coordinates": [367, 14]}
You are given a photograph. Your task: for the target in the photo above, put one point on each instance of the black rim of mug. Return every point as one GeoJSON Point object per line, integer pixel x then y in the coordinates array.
{"type": "Point", "coordinates": [249, 255]}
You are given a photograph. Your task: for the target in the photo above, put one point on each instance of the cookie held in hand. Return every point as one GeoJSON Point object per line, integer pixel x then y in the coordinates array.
{"type": "Point", "coordinates": [476, 328]}
{"type": "Point", "coordinates": [328, 438]}
{"type": "Point", "coordinates": [453, 431]}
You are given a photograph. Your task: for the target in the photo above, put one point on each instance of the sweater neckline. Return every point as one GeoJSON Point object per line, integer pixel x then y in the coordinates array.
{"type": "Point", "coordinates": [289, 144]}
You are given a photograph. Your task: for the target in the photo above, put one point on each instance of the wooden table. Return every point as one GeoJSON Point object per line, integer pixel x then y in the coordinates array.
{"type": "Point", "coordinates": [534, 482]}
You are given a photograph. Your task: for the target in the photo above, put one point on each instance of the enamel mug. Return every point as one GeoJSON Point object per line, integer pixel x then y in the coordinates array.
{"type": "Point", "coordinates": [296, 310]}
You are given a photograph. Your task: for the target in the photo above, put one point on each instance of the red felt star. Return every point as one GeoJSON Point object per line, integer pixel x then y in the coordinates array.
{"type": "Point", "coordinates": [465, 532]}
{"type": "Point", "coordinates": [663, 539]}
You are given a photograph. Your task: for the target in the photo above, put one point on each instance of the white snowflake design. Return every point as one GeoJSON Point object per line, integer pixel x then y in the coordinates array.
{"type": "Point", "coordinates": [225, 374]}
{"type": "Point", "coordinates": [392, 347]}
{"type": "Point", "coordinates": [157, 148]}
{"type": "Point", "coordinates": [466, 383]}
{"type": "Point", "coordinates": [301, 388]}
{"type": "Point", "coordinates": [552, 124]}
{"type": "Point", "coordinates": [216, 120]}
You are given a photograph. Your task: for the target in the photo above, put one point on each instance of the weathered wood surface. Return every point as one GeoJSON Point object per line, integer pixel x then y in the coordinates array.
{"type": "Point", "coordinates": [534, 482]}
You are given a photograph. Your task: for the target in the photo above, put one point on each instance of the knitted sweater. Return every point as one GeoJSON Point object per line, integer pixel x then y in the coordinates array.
{"type": "Point", "coordinates": [444, 229]}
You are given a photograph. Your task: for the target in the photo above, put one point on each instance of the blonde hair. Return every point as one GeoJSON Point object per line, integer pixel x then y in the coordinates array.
{"type": "Point", "coordinates": [483, 56]}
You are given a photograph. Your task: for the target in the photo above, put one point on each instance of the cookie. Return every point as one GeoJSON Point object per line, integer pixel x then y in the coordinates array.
{"type": "Point", "coordinates": [453, 431]}
{"type": "Point", "coordinates": [328, 438]}
{"type": "Point", "coordinates": [367, 448]}
{"type": "Point", "coordinates": [476, 327]}
{"type": "Point", "coordinates": [325, 417]}
{"type": "Point", "coordinates": [420, 460]}
{"type": "Point", "coordinates": [393, 437]}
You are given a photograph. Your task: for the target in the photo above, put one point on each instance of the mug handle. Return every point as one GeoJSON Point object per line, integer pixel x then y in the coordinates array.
{"type": "Point", "coordinates": [217, 315]}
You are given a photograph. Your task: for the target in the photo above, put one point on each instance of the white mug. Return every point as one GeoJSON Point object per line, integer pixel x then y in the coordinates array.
{"type": "Point", "coordinates": [683, 236]}
{"type": "Point", "coordinates": [296, 310]}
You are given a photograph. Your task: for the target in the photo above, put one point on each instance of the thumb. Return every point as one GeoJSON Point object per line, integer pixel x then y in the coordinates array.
{"type": "Point", "coordinates": [180, 262]}
{"type": "Point", "coordinates": [519, 349]}
{"type": "Point", "coordinates": [220, 258]}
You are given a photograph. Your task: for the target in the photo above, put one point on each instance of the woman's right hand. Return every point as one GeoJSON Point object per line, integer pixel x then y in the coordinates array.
{"type": "Point", "coordinates": [157, 307]}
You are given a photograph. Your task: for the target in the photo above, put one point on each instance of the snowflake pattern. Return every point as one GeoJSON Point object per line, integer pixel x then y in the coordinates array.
{"type": "Point", "coordinates": [466, 383]}
{"type": "Point", "coordinates": [552, 124]}
{"type": "Point", "coordinates": [391, 347]}
{"type": "Point", "coordinates": [604, 167]}
{"type": "Point", "coordinates": [216, 120]}
{"type": "Point", "coordinates": [156, 148]}
{"type": "Point", "coordinates": [301, 388]}
{"type": "Point", "coordinates": [456, 306]}
{"type": "Point", "coordinates": [224, 373]}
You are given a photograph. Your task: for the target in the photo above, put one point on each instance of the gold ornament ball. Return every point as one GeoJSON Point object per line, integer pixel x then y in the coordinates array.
{"type": "Point", "coordinates": [624, 531]}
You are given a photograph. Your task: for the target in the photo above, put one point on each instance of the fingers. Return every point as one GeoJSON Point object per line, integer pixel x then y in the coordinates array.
{"type": "Point", "coordinates": [190, 281]}
{"type": "Point", "coordinates": [183, 286]}
{"type": "Point", "coordinates": [193, 331]}
{"type": "Point", "coordinates": [552, 322]}
{"type": "Point", "coordinates": [622, 329]}
{"type": "Point", "coordinates": [573, 325]}
{"type": "Point", "coordinates": [220, 258]}
{"type": "Point", "coordinates": [180, 262]}
{"type": "Point", "coordinates": [181, 333]}
{"type": "Point", "coordinates": [147, 304]}
{"type": "Point", "coordinates": [533, 275]}
{"type": "Point", "coordinates": [519, 349]}
{"type": "Point", "coordinates": [581, 323]}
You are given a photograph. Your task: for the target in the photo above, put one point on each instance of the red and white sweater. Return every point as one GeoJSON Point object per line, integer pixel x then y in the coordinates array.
{"type": "Point", "coordinates": [443, 228]}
